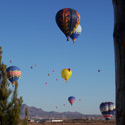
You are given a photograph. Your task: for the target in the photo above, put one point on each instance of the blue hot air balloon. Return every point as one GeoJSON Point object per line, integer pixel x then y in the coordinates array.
{"type": "Point", "coordinates": [76, 33]}
{"type": "Point", "coordinates": [67, 20]}
{"type": "Point", "coordinates": [13, 74]}
{"type": "Point", "coordinates": [71, 100]}
{"type": "Point", "coordinates": [107, 109]}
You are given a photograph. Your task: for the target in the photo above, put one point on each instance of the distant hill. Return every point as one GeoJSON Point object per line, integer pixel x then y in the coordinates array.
{"type": "Point", "coordinates": [39, 113]}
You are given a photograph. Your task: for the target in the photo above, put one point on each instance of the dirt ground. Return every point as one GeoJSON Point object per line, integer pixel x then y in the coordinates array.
{"type": "Point", "coordinates": [88, 123]}
{"type": "Point", "coordinates": [71, 124]}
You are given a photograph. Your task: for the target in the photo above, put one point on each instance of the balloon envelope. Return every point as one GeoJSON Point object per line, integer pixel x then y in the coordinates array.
{"type": "Point", "coordinates": [99, 70]}
{"type": "Point", "coordinates": [11, 61]}
{"type": "Point", "coordinates": [107, 109]}
{"type": "Point", "coordinates": [13, 74]}
{"type": "Point", "coordinates": [67, 20]}
{"type": "Point", "coordinates": [80, 100]}
{"type": "Point", "coordinates": [76, 33]}
{"type": "Point", "coordinates": [71, 99]}
{"type": "Point", "coordinates": [66, 73]}
{"type": "Point", "coordinates": [36, 65]}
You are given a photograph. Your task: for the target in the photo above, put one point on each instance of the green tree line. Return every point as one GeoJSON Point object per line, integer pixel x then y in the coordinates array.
{"type": "Point", "coordinates": [10, 103]}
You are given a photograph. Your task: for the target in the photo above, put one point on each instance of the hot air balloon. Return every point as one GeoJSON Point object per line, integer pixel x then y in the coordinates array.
{"type": "Point", "coordinates": [13, 74]}
{"type": "Point", "coordinates": [56, 79]}
{"type": "Point", "coordinates": [31, 67]}
{"type": "Point", "coordinates": [36, 65]}
{"type": "Point", "coordinates": [107, 109]}
{"type": "Point", "coordinates": [99, 70]}
{"type": "Point", "coordinates": [48, 74]}
{"type": "Point", "coordinates": [66, 73]}
{"type": "Point", "coordinates": [46, 83]}
{"type": "Point", "coordinates": [53, 70]}
{"type": "Point", "coordinates": [67, 20]}
{"type": "Point", "coordinates": [76, 33]}
{"type": "Point", "coordinates": [80, 100]}
{"type": "Point", "coordinates": [11, 61]}
{"type": "Point", "coordinates": [71, 100]}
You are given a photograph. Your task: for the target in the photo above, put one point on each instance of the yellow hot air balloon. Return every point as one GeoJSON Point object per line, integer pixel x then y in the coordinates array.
{"type": "Point", "coordinates": [66, 73]}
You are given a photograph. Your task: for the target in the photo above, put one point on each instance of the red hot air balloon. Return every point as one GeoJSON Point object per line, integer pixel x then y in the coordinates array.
{"type": "Point", "coordinates": [11, 61]}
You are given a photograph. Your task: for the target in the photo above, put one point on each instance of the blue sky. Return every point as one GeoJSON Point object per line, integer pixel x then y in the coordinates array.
{"type": "Point", "coordinates": [29, 35]}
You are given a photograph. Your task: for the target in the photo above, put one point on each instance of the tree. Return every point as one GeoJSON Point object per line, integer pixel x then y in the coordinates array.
{"type": "Point", "coordinates": [9, 111]}
{"type": "Point", "coordinates": [119, 47]}
{"type": "Point", "coordinates": [14, 113]}
{"type": "Point", "coordinates": [4, 92]}
{"type": "Point", "coordinates": [26, 117]}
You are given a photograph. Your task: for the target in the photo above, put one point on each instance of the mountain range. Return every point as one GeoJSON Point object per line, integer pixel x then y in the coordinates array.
{"type": "Point", "coordinates": [39, 113]}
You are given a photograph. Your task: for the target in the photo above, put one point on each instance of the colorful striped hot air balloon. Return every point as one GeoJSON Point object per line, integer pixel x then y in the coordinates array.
{"type": "Point", "coordinates": [71, 100]}
{"type": "Point", "coordinates": [67, 20]}
{"type": "Point", "coordinates": [107, 109]}
{"type": "Point", "coordinates": [13, 74]}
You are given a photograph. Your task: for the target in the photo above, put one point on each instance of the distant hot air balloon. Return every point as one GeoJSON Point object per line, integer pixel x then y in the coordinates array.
{"type": "Point", "coordinates": [31, 67]}
{"type": "Point", "coordinates": [71, 100]}
{"type": "Point", "coordinates": [46, 83]}
{"type": "Point", "coordinates": [56, 79]}
{"type": "Point", "coordinates": [107, 109]}
{"type": "Point", "coordinates": [66, 73]}
{"type": "Point", "coordinates": [53, 70]}
{"type": "Point", "coordinates": [99, 70]}
{"type": "Point", "coordinates": [11, 61]}
{"type": "Point", "coordinates": [13, 74]}
{"type": "Point", "coordinates": [36, 65]}
{"type": "Point", "coordinates": [64, 104]}
{"type": "Point", "coordinates": [48, 74]}
{"type": "Point", "coordinates": [67, 20]}
{"type": "Point", "coordinates": [80, 100]}
{"type": "Point", "coordinates": [76, 33]}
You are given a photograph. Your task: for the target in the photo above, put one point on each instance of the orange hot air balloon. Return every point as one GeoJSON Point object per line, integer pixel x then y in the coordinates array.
{"type": "Point", "coordinates": [67, 20]}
